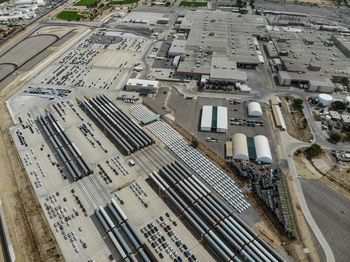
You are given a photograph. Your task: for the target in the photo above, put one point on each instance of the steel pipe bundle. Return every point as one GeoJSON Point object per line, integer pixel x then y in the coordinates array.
{"type": "Point", "coordinates": [114, 232]}
{"type": "Point", "coordinates": [57, 145]}
{"type": "Point", "coordinates": [121, 129]}
{"type": "Point", "coordinates": [225, 233]}
{"type": "Point", "coordinates": [68, 151]}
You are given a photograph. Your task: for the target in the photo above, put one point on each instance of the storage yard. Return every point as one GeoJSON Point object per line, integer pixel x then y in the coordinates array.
{"type": "Point", "coordinates": [89, 161]}
{"type": "Point", "coordinates": [163, 134]}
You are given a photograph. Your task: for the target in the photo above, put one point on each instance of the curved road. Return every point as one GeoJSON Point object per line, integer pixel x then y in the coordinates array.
{"type": "Point", "coordinates": [289, 145]}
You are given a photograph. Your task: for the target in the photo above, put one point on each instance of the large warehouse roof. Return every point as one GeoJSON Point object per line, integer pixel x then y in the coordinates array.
{"type": "Point", "coordinates": [254, 109]}
{"type": "Point", "coordinates": [240, 147]}
{"type": "Point", "coordinates": [262, 148]}
{"type": "Point", "coordinates": [222, 124]}
{"type": "Point", "coordinates": [206, 118]}
{"type": "Point", "coordinates": [214, 118]}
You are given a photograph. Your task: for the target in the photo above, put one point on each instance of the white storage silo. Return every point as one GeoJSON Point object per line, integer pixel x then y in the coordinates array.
{"type": "Point", "coordinates": [324, 99]}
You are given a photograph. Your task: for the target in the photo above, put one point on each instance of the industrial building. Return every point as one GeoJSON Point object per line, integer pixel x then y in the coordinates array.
{"type": "Point", "coordinates": [177, 48]}
{"type": "Point", "coordinates": [343, 43]}
{"type": "Point", "coordinates": [142, 86]}
{"type": "Point", "coordinates": [345, 121]}
{"type": "Point", "coordinates": [283, 78]}
{"type": "Point", "coordinates": [240, 147]}
{"type": "Point", "coordinates": [218, 45]}
{"type": "Point", "coordinates": [251, 148]}
{"type": "Point", "coordinates": [309, 59]}
{"type": "Point", "coordinates": [278, 117]}
{"type": "Point", "coordinates": [214, 119]}
{"type": "Point", "coordinates": [262, 149]}
{"type": "Point", "coordinates": [325, 86]}
{"type": "Point", "coordinates": [254, 109]}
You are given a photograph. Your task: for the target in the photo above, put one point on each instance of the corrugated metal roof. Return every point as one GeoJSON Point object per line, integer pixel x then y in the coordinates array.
{"type": "Point", "coordinates": [277, 114]}
{"type": "Point", "coordinates": [262, 148]}
{"type": "Point", "coordinates": [240, 147]}
{"type": "Point", "coordinates": [206, 117]}
{"type": "Point", "coordinates": [254, 109]}
{"type": "Point", "coordinates": [228, 149]}
{"type": "Point", "coordinates": [222, 118]}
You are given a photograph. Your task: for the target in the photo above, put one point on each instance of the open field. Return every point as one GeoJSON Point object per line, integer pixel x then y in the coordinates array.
{"type": "Point", "coordinates": [69, 16]}
{"type": "Point", "coordinates": [194, 3]}
{"type": "Point", "coordinates": [87, 3]}
{"type": "Point", "coordinates": [123, 2]}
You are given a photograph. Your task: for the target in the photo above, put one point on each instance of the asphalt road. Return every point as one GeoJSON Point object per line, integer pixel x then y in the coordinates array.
{"type": "Point", "coordinates": [331, 213]}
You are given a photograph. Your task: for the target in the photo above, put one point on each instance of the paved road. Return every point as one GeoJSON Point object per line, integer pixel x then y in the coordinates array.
{"type": "Point", "coordinates": [290, 145]}
{"type": "Point", "coordinates": [331, 212]}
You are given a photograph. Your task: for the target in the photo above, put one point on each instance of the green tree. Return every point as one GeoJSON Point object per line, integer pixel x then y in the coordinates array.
{"type": "Point", "coordinates": [305, 123]}
{"type": "Point", "coordinates": [298, 104]}
{"type": "Point", "coordinates": [338, 105]}
{"type": "Point", "coordinates": [335, 136]}
{"type": "Point", "coordinates": [195, 142]}
{"type": "Point", "coordinates": [313, 151]}
{"type": "Point", "coordinates": [240, 3]}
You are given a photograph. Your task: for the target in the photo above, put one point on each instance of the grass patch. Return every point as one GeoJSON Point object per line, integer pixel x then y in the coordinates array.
{"type": "Point", "coordinates": [123, 2]}
{"type": "Point", "coordinates": [193, 4]}
{"type": "Point", "coordinates": [69, 16]}
{"type": "Point", "coordinates": [87, 3]}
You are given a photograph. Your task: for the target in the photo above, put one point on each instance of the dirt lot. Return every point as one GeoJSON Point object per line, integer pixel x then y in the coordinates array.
{"type": "Point", "coordinates": [295, 122]}
{"type": "Point", "coordinates": [340, 172]}
{"type": "Point", "coordinates": [31, 237]}
{"type": "Point", "coordinates": [30, 234]}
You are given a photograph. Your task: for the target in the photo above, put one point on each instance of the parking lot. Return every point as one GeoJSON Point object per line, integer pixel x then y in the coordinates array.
{"type": "Point", "coordinates": [69, 206]}
{"type": "Point", "coordinates": [108, 55]}
{"type": "Point", "coordinates": [188, 115]}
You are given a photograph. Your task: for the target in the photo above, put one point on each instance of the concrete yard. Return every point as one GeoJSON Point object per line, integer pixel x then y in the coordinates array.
{"type": "Point", "coordinates": [92, 171]}
{"type": "Point", "coordinates": [187, 114]}
{"type": "Point", "coordinates": [56, 191]}
{"type": "Point", "coordinates": [107, 55]}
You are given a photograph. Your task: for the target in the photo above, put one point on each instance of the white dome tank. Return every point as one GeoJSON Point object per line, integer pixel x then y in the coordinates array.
{"type": "Point", "coordinates": [324, 99]}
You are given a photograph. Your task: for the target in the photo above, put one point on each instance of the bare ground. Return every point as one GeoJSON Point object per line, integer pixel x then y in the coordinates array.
{"type": "Point", "coordinates": [338, 172]}
{"type": "Point", "coordinates": [295, 123]}
{"type": "Point", "coordinates": [29, 231]}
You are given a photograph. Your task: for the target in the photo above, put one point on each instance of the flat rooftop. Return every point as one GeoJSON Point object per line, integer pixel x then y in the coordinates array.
{"type": "Point", "coordinates": [310, 47]}
{"type": "Point", "coordinates": [217, 33]}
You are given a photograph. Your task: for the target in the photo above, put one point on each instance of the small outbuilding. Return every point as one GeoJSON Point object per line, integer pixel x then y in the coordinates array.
{"type": "Point", "coordinates": [254, 109]}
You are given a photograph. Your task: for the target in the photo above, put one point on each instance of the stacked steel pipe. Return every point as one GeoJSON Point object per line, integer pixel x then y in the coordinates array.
{"type": "Point", "coordinates": [121, 130]}
{"type": "Point", "coordinates": [67, 151]}
{"type": "Point", "coordinates": [226, 235]}
{"type": "Point", "coordinates": [114, 232]}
